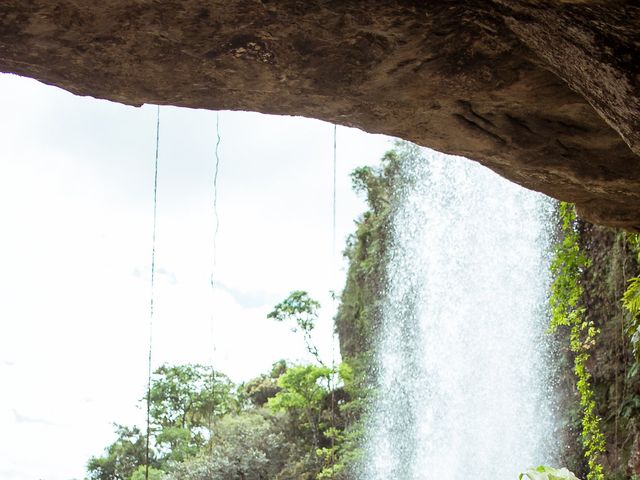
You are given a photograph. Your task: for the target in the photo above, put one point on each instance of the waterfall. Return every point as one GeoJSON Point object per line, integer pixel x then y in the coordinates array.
{"type": "Point", "coordinates": [463, 391]}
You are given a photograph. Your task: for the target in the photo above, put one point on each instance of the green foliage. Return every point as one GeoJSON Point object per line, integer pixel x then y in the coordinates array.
{"type": "Point", "coordinates": [566, 291]}
{"type": "Point", "coordinates": [631, 297]}
{"type": "Point", "coordinates": [154, 474]}
{"type": "Point", "coordinates": [323, 413]}
{"type": "Point", "coordinates": [186, 396]}
{"type": "Point", "coordinates": [566, 268]}
{"type": "Point", "coordinates": [303, 390]}
{"type": "Point", "coordinates": [359, 310]}
{"type": "Point", "coordinates": [548, 473]}
{"type": "Point", "coordinates": [257, 391]}
{"type": "Point", "coordinates": [121, 458]}
{"type": "Point", "coordinates": [634, 242]}
{"type": "Point", "coordinates": [185, 399]}
{"type": "Point", "coordinates": [244, 447]}
{"type": "Point", "coordinates": [357, 389]}
{"type": "Point", "coordinates": [343, 453]}
{"type": "Point", "coordinates": [286, 441]}
{"type": "Point", "coordinates": [300, 308]}
{"type": "Point", "coordinates": [278, 369]}
{"type": "Point", "coordinates": [631, 301]}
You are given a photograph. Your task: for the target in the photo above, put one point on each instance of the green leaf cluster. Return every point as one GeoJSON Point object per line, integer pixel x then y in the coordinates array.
{"type": "Point", "coordinates": [303, 389]}
{"type": "Point", "coordinates": [631, 301]}
{"type": "Point", "coordinates": [548, 473]}
{"type": "Point", "coordinates": [567, 266]}
{"type": "Point", "coordinates": [300, 308]}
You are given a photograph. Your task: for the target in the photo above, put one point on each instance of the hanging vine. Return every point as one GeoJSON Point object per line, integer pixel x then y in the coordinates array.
{"type": "Point", "coordinates": [568, 263]}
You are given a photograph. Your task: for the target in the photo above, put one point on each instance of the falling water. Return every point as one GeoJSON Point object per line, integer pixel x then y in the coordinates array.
{"type": "Point", "coordinates": [463, 390]}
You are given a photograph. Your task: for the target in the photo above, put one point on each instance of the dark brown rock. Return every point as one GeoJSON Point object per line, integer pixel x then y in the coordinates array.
{"type": "Point", "coordinates": [544, 93]}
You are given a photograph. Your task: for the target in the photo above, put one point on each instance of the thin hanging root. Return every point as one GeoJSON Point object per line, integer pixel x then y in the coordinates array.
{"type": "Point", "coordinates": [213, 268]}
{"type": "Point", "coordinates": [333, 338]}
{"type": "Point", "coordinates": [153, 271]}
{"type": "Point", "coordinates": [335, 158]}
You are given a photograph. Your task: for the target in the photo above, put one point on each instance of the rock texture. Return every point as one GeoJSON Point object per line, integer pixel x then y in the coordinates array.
{"type": "Point", "coordinates": [545, 93]}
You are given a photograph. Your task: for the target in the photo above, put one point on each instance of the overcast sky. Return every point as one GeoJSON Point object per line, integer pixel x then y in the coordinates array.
{"type": "Point", "coordinates": [76, 181]}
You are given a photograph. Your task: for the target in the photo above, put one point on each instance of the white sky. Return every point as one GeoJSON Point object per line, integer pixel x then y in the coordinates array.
{"type": "Point", "coordinates": [75, 248]}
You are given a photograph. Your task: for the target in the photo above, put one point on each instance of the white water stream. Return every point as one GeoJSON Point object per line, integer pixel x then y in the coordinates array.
{"type": "Point", "coordinates": [463, 386]}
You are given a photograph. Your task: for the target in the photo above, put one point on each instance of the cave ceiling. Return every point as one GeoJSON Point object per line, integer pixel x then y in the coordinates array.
{"type": "Point", "coordinates": [547, 94]}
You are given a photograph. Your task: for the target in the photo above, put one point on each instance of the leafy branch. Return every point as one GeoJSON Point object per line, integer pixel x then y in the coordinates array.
{"type": "Point", "coordinates": [303, 310]}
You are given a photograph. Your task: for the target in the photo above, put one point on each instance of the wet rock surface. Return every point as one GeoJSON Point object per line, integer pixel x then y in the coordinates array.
{"type": "Point", "coordinates": [546, 94]}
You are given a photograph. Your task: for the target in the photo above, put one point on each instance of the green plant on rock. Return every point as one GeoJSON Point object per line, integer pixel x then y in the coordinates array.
{"type": "Point", "coordinates": [566, 291]}
{"type": "Point", "coordinates": [344, 453]}
{"type": "Point", "coordinates": [631, 301]}
{"type": "Point", "coordinates": [548, 473]}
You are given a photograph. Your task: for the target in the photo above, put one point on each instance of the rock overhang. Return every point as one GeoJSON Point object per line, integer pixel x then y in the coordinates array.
{"type": "Point", "coordinates": [546, 94]}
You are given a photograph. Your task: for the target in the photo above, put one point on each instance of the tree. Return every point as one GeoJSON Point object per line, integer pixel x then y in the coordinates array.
{"type": "Point", "coordinates": [121, 458]}
{"type": "Point", "coordinates": [186, 396]}
{"type": "Point", "coordinates": [244, 447]}
{"type": "Point", "coordinates": [300, 308]}
{"type": "Point", "coordinates": [185, 400]}
{"type": "Point", "coordinates": [260, 389]}
{"type": "Point", "coordinates": [303, 390]}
